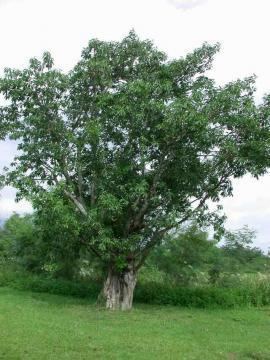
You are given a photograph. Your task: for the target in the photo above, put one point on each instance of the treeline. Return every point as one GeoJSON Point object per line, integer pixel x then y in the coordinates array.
{"type": "Point", "coordinates": [191, 257]}
{"type": "Point", "coordinates": [49, 243]}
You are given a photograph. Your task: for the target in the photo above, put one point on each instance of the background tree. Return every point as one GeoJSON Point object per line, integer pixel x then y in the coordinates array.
{"type": "Point", "coordinates": [182, 255]}
{"type": "Point", "coordinates": [35, 242]}
{"type": "Point", "coordinates": [19, 242]}
{"type": "Point", "coordinates": [241, 238]}
{"type": "Point", "coordinates": [47, 241]}
{"type": "Point", "coordinates": [239, 252]}
{"type": "Point", "coordinates": [136, 142]}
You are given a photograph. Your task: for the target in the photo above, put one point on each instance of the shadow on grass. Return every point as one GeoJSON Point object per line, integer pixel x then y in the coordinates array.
{"type": "Point", "coordinates": [45, 298]}
{"type": "Point", "coordinates": [256, 356]}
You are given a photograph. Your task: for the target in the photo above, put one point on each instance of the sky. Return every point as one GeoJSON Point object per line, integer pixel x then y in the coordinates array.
{"type": "Point", "coordinates": [63, 27]}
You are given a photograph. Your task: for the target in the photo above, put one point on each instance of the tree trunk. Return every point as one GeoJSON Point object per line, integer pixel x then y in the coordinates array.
{"type": "Point", "coordinates": [118, 289]}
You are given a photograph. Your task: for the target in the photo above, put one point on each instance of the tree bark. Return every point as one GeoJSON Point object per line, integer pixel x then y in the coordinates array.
{"type": "Point", "coordinates": [118, 289]}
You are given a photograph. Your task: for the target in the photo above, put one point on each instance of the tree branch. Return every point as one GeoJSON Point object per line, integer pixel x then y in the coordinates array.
{"type": "Point", "coordinates": [76, 202]}
{"type": "Point", "coordinates": [158, 234]}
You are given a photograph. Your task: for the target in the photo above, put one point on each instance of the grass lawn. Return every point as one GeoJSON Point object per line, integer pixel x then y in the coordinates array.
{"type": "Point", "coordinates": [42, 326]}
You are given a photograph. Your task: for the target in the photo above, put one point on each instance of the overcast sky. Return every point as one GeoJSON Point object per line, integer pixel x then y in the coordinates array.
{"type": "Point", "coordinates": [29, 27]}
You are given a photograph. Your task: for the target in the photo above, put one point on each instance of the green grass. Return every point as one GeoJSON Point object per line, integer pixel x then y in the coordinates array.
{"type": "Point", "coordinates": [43, 326]}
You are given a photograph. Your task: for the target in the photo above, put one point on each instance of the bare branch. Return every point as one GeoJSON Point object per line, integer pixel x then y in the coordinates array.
{"type": "Point", "coordinates": [77, 203]}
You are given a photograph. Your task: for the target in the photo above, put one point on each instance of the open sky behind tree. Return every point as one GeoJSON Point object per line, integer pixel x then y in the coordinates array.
{"type": "Point", "coordinates": [29, 27]}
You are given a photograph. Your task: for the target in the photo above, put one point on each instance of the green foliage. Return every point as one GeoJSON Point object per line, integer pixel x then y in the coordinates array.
{"type": "Point", "coordinates": [59, 231]}
{"type": "Point", "coordinates": [203, 297]}
{"type": "Point", "coordinates": [23, 280]}
{"type": "Point", "coordinates": [238, 255]}
{"type": "Point", "coordinates": [137, 144]}
{"type": "Point", "coordinates": [239, 239]}
{"type": "Point", "coordinates": [182, 255]}
{"type": "Point", "coordinates": [49, 242]}
{"type": "Point", "coordinates": [232, 292]}
{"type": "Point", "coordinates": [46, 242]}
{"type": "Point", "coordinates": [19, 242]}
{"type": "Point", "coordinates": [190, 257]}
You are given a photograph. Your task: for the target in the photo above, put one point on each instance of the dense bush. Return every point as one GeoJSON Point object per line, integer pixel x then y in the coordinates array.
{"type": "Point", "coordinates": [185, 270]}
{"type": "Point", "coordinates": [203, 297]}
{"type": "Point", "coordinates": [39, 283]}
{"type": "Point", "coordinates": [249, 293]}
{"type": "Point", "coordinates": [48, 242]}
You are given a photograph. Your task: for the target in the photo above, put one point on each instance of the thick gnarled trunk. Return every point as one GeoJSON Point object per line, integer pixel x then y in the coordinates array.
{"type": "Point", "coordinates": [118, 289]}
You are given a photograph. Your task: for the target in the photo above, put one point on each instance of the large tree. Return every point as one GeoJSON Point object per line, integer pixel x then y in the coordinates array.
{"type": "Point", "coordinates": [136, 142]}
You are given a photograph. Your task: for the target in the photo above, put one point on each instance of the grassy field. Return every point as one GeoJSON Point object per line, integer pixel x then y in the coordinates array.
{"type": "Point", "coordinates": [42, 326]}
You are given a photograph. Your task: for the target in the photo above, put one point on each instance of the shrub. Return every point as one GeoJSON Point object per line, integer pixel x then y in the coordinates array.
{"type": "Point", "coordinates": [25, 281]}
{"type": "Point", "coordinates": [203, 297]}
{"type": "Point", "coordinates": [248, 294]}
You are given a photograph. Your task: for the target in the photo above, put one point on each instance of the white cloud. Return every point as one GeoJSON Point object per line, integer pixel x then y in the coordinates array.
{"type": "Point", "coordinates": [250, 205]}
{"type": "Point", "coordinates": [7, 2]}
{"type": "Point", "coordinates": [9, 206]}
{"type": "Point", "coordinates": [7, 151]}
{"type": "Point", "coordinates": [186, 4]}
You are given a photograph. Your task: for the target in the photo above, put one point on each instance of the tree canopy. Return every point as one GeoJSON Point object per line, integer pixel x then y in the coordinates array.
{"type": "Point", "coordinates": [137, 142]}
